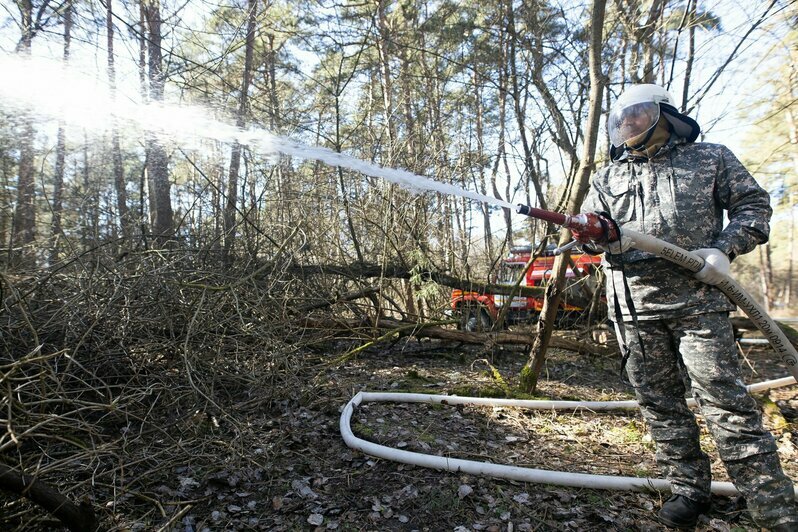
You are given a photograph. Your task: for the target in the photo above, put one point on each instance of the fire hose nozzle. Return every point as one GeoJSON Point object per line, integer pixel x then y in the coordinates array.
{"type": "Point", "coordinates": [588, 226]}
{"type": "Point", "coordinates": [592, 226]}
{"type": "Point", "coordinates": [540, 214]}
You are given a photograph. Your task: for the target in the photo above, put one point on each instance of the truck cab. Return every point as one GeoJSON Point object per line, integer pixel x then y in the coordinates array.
{"type": "Point", "coordinates": [479, 311]}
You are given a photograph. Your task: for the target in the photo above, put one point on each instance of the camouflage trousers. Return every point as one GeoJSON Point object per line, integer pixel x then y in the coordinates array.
{"type": "Point", "coordinates": [698, 353]}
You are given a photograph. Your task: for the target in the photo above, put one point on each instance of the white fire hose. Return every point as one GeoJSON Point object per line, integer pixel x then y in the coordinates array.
{"type": "Point", "coordinates": [784, 350]}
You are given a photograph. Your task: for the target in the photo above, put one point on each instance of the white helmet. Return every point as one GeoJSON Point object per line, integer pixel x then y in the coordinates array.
{"type": "Point", "coordinates": [638, 109]}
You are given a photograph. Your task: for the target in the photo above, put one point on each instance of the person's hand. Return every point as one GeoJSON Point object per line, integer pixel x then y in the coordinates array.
{"type": "Point", "coordinates": [716, 265]}
{"type": "Point", "coordinates": [619, 246]}
{"type": "Point", "coordinates": [614, 248]}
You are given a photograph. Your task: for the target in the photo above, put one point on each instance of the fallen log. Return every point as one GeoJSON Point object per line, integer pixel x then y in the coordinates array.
{"type": "Point", "coordinates": [349, 296]}
{"type": "Point", "coordinates": [560, 339]}
{"type": "Point", "coordinates": [78, 518]}
{"type": "Point", "coordinates": [360, 270]}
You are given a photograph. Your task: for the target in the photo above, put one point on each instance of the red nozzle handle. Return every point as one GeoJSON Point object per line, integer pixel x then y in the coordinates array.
{"type": "Point", "coordinates": [592, 226]}
{"type": "Point", "coordinates": [586, 226]}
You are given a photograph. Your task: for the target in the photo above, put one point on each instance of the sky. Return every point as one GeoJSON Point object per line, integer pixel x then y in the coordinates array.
{"type": "Point", "coordinates": [720, 114]}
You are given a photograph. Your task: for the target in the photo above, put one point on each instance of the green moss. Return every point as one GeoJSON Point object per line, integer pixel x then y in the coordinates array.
{"type": "Point", "coordinates": [495, 392]}
{"type": "Point", "coordinates": [426, 437]}
{"type": "Point", "coordinates": [630, 433]}
{"type": "Point", "coordinates": [363, 430]}
{"type": "Point", "coordinates": [528, 381]}
{"type": "Point", "coordinates": [772, 413]}
{"type": "Point", "coordinates": [479, 391]}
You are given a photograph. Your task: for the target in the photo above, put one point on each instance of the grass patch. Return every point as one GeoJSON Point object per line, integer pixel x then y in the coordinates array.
{"type": "Point", "coordinates": [629, 433]}
{"type": "Point", "coordinates": [363, 430]}
{"type": "Point", "coordinates": [493, 391]}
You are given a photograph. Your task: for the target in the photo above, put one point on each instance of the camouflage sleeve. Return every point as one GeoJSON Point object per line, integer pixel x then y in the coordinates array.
{"type": "Point", "coordinates": [747, 205]}
{"type": "Point", "coordinates": [593, 202]}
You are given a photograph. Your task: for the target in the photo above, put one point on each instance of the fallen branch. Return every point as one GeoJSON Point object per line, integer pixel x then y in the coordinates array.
{"type": "Point", "coordinates": [349, 296]}
{"type": "Point", "coordinates": [559, 339]}
{"type": "Point", "coordinates": [360, 270]}
{"type": "Point", "coordinates": [399, 329]}
{"type": "Point", "coordinates": [78, 518]}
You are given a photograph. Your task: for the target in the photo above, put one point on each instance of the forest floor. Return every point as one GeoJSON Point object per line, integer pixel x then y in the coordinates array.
{"type": "Point", "coordinates": [289, 468]}
{"type": "Point", "coordinates": [316, 482]}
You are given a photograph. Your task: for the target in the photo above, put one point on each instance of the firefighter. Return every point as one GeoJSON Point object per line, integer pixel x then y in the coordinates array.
{"type": "Point", "coordinates": [675, 324]}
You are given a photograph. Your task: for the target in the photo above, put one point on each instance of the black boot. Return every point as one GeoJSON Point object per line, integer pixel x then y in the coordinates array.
{"type": "Point", "coordinates": [681, 512]}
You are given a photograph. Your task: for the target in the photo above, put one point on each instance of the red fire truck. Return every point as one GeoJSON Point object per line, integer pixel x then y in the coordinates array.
{"type": "Point", "coordinates": [479, 311]}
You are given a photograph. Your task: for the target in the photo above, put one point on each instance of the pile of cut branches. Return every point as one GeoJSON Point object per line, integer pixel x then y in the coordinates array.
{"type": "Point", "coordinates": [117, 373]}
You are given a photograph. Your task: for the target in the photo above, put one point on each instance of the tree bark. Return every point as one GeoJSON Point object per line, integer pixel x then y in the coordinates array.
{"type": "Point", "coordinates": [765, 276]}
{"type": "Point", "coordinates": [78, 518]}
{"type": "Point", "coordinates": [116, 152]}
{"type": "Point", "coordinates": [792, 129]}
{"type": "Point", "coordinates": [24, 226]}
{"type": "Point", "coordinates": [235, 156]}
{"type": "Point", "coordinates": [383, 36]}
{"type": "Point", "coordinates": [551, 302]}
{"type": "Point", "coordinates": [482, 184]}
{"type": "Point", "coordinates": [688, 69]}
{"type": "Point", "coordinates": [60, 154]}
{"type": "Point", "coordinates": [158, 160]}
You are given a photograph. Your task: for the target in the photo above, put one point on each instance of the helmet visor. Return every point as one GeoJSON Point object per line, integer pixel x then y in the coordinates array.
{"type": "Point", "coordinates": [631, 121]}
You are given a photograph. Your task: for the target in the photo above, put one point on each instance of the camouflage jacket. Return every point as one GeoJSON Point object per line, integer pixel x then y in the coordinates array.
{"type": "Point", "coordinates": [679, 196]}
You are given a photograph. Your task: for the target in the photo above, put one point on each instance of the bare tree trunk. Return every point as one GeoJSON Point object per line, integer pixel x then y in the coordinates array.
{"type": "Point", "coordinates": [271, 57]}
{"type": "Point", "coordinates": [386, 82]}
{"type": "Point", "coordinates": [792, 128]}
{"type": "Point", "coordinates": [501, 153]}
{"type": "Point", "coordinates": [647, 39]}
{"type": "Point", "coordinates": [765, 276]}
{"type": "Point", "coordinates": [5, 197]}
{"type": "Point", "coordinates": [561, 138]}
{"type": "Point", "coordinates": [116, 151]}
{"type": "Point", "coordinates": [91, 228]}
{"type": "Point", "coordinates": [551, 302]}
{"type": "Point", "coordinates": [488, 231]}
{"type": "Point", "coordinates": [688, 70]}
{"type": "Point", "coordinates": [235, 156]}
{"type": "Point", "coordinates": [350, 224]}
{"type": "Point", "coordinates": [24, 226]}
{"type": "Point", "coordinates": [146, 196]}
{"type": "Point", "coordinates": [60, 153]}
{"type": "Point", "coordinates": [383, 36]}
{"type": "Point", "coordinates": [790, 257]}
{"type": "Point", "coordinates": [158, 160]}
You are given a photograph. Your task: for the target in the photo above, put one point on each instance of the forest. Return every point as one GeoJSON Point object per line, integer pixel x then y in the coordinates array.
{"type": "Point", "coordinates": [219, 221]}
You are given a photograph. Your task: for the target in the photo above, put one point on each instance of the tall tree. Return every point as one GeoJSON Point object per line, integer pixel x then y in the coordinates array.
{"type": "Point", "coordinates": [24, 226]}
{"type": "Point", "coordinates": [120, 184]}
{"type": "Point", "coordinates": [551, 303]}
{"type": "Point", "coordinates": [60, 150]}
{"type": "Point", "coordinates": [157, 158]}
{"type": "Point", "coordinates": [235, 156]}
